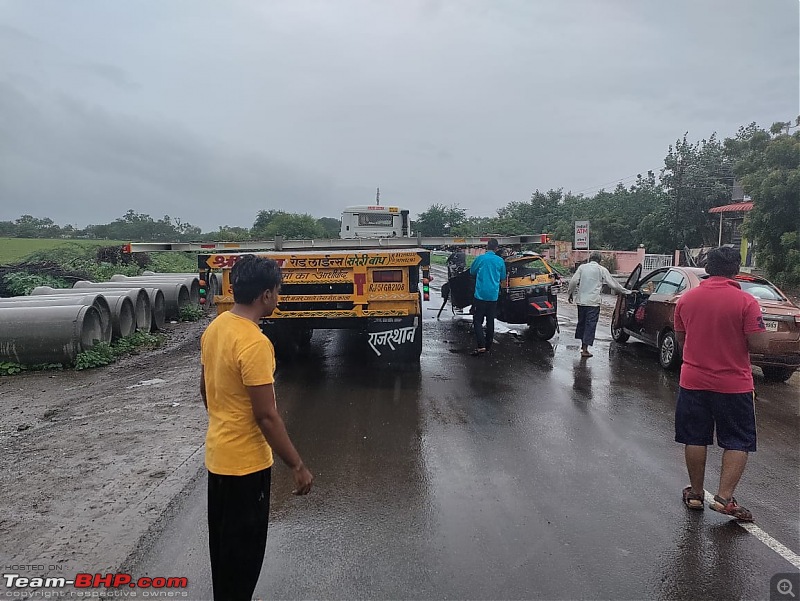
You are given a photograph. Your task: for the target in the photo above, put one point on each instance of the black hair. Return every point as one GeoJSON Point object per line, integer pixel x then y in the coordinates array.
{"type": "Point", "coordinates": [493, 244]}
{"type": "Point", "coordinates": [724, 261]}
{"type": "Point", "coordinates": [251, 276]}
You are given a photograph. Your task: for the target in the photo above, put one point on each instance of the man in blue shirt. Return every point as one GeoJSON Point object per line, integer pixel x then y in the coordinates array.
{"type": "Point", "coordinates": [489, 270]}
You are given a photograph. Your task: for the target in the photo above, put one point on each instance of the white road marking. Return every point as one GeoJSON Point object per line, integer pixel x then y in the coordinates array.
{"type": "Point", "coordinates": [782, 550]}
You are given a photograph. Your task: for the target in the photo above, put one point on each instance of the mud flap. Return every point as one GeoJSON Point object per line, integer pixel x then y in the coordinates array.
{"type": "Point", "coordinates": [395, 338]}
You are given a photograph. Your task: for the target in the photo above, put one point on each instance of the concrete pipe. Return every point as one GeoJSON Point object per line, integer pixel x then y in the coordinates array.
{"type": "Point", "coordinates": [191, 281]}
{"type": "Point", "coordinates": [98, 301]}
{"type": "Point", "coordinates": [30, 335]}
{"type": "Point", "coordinates": [139, 297]}
{"type": "Point", "coordinates": [176, 295]}
{"type": "Point", "coordinates": [123, 314]}
{"type": "Point", "coordinates": [213, 286]}
{"type": "Point", "coordinates": [157, 305]}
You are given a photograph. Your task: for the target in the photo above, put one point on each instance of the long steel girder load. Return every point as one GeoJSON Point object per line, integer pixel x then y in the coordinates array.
{"type": "Point", "coordinates": [335, 243]}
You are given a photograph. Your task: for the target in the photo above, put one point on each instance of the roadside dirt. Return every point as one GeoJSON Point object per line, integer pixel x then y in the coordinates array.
{"type": "Point", "coordinates": [90, 460]}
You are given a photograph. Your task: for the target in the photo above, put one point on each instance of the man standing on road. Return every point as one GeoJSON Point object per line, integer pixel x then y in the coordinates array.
{"type": "Point", "coordinates": [489, 270]}
{"type": "Point", "coordinates": [715, 323]}
{"type": "Point", "coordinates": [588, 281]}
{"type": "Point", "coordinates": [244, 427]}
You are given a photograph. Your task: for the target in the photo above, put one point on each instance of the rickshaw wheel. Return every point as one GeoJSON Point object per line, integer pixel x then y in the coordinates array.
{"type": "Point", "coordinates": [544, 328]}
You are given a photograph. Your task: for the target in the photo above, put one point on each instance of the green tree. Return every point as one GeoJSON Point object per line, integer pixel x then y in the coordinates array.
{"type": "Point", "coordinates": [227, 233]}
{"type": "Point", "coordinates": [29, 226]}
{"type": "Point", "coordinates": [440, 220]}
{"type": "Point", "coordinates": [697, 177]}
{"type": "Point", "coordinates": [263, 219]}
{"type": "Point", "coordinates": [331, 226]}
{"type": "Point", "coordinates": [768, 166]}
{"type": "Point", "coordinates": [294, 227]}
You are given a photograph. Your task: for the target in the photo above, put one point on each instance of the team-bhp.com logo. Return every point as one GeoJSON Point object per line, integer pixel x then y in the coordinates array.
{"type": "Point", "coordinates": [96, 581]}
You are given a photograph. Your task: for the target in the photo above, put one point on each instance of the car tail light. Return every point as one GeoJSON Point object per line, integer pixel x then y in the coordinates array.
{"type": "Point", "coordinates": [387, 275]}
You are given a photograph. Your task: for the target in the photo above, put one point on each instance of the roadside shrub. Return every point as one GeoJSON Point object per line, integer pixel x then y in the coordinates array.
{"type": "Point", "coordinates": [9, 368]}
{"type": "Point", "coordinates": [172, 262]}
{"type": "Point", "coordinates": [191, 313]}
{"type": "Point", "coordinates": [21, 283]}
{"type": "Point", "coordinates": [609, 262]}
{"type": "Point", "coordinates": [105, 354]}
{"type": "Point", "coordinates": [97, 356]}
{"type": "Point", "coordinates": [559, 268]}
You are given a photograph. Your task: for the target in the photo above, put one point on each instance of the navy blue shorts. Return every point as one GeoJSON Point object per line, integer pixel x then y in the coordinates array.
{"type": "Point", "coordinates": [698, 412]}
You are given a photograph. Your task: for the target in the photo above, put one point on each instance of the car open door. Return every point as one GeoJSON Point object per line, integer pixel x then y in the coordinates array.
{"type": "Point", "coordinates": [621, 308]}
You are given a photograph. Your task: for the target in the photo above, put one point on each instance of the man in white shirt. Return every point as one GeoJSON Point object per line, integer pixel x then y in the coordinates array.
{"type": "Point", "coordinates": [588, 280]}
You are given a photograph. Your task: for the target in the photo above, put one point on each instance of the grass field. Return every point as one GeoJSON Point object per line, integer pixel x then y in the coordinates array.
{"type": "Point", "coordinates": [16, 249]}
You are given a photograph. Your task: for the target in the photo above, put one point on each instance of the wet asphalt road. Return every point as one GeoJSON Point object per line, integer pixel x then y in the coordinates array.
{"type": "Point", "coordinates": [525, 474]}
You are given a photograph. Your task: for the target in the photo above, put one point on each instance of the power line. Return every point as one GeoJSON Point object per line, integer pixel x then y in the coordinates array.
{"type": "Point", "coordinates": [616, 181]}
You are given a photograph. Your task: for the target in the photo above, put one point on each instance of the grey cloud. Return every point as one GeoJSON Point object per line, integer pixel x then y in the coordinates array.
{"type": "Point", "coordinates": [89, 163]}
{"type": "Point", "coordinates": [310, 105]}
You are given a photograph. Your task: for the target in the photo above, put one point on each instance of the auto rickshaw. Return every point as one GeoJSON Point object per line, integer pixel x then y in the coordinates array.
{"type": "Point", "coordinates": [528, 294]}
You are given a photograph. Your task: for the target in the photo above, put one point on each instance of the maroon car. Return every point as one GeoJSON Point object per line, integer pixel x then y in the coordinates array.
{"type": "Point", "coordinates": [649, 316]}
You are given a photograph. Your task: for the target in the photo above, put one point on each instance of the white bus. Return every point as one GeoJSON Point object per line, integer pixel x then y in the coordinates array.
{"type": "Point", "coordinates": [375, 221]}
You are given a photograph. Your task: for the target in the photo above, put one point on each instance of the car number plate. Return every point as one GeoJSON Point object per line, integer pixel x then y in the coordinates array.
{"type": "Point", "coordinates": [772, 326]}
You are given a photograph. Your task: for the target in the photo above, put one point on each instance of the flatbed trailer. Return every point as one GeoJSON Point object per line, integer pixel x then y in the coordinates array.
{"type": "Point", "coordinates": [374, 285]}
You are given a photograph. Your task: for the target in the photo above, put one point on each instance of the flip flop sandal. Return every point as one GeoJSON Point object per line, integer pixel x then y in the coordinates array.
{"type": "Point", "coordinates": [478, 352]}
{"type": "Point", "coordinates": [732, 508]}
{"type": "Point", "coordinates": [692, 500]}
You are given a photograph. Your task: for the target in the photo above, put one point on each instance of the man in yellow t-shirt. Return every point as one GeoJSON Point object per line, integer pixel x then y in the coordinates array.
{"type": "Point", "coordinates": [244, 427]}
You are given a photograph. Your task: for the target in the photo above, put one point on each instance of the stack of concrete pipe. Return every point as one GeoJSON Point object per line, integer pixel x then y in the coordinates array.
{"type": "Point", "coordinates": [213, 285]}
{"type": "Point", "coordinates": [138, 297]}
{"type": "Point", "coordinates": [98, 301]}
{"type": "Point", "coordinates": [53, 325]}
{"type": "Point", "coordinates": [176, 294]}
{"type": "Point", "coordinates": [31, 334]}
{"type": "Point", "coordinates": [191, 281]}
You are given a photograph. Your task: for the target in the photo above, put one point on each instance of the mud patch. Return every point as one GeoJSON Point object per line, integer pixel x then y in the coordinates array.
{"type": "Point", "coordinates": [90, 460]}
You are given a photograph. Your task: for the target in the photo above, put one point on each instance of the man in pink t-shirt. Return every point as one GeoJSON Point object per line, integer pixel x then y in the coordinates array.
{"type": "Point", "coordinates": [715, 324]}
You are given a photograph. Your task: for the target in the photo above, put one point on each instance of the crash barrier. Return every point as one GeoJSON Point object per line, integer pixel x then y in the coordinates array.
{"type": "Point", "coordinates": [98, 301]}
{"type": "Point", "coordinates": [192, 282]}
{"type": "Point", "coordinates": [138, 296]}
{"type": "Point", "coordinates": [31, 335]}
{"type": "Point", "coordinates": [176, 294]}
{"type": "Point", "coordinates": [123, 311]}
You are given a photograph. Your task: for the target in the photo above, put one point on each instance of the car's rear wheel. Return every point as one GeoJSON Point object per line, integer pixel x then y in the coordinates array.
{"type": "Point", "coordinates": [777, 374]}
{"type": "Point", "coordinates": [669, 354]}
{"type": "Point", "coordinates": [619, 335]}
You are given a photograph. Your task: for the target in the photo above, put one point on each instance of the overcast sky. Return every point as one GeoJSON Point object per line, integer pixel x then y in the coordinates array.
{"type": "Point", "coordinates": [213, 110]}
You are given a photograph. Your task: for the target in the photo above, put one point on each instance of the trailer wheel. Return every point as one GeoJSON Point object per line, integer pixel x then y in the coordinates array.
{"type": "Point", "coordinates": [544, 328]}
{"type": "Point", "coordinates": [288, 342]}
{"type": "Point", "coordinates": [416, 348]}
